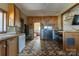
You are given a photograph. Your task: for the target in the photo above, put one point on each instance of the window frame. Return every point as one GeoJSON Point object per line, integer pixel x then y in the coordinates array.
{"type": "Point", "coordinates": [1, 10]}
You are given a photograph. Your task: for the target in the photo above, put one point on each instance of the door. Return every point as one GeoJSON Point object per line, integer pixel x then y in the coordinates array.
{"type": "Point", "coordinates": [37, 27]}
{"type": "Point", "coordinates": [2, 48]}
{"type": "Point", "coordinates": [12, 49]}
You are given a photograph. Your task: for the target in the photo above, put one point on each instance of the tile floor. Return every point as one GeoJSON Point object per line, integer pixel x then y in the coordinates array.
{"type": "Point", "coordinates": [37, 47]}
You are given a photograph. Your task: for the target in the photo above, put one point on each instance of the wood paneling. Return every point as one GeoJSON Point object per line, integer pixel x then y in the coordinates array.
{"type": "Point", "coordinates": [41, 19]}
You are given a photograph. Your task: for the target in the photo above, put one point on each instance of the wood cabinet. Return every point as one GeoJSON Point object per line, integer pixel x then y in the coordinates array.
{"type": "Point", "coordinates": [12, 47]}
{"type": "Point", "coordinates": [17, 17]}
{"type": "Point", "coordinates": [9, 47]}
{"type": "Point", "coordinates": [2, 48]}
{"type": "Point", "coordinates": [11, 14]}
{"type": "Point", "coordinates": [74, 35]}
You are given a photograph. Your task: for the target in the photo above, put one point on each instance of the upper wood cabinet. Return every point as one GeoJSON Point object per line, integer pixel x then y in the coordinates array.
{"type": "Point", "coordinates": [11, 14]}
{"type": "Point", "coordinates": [17, 17]}
{"type": "Point", "coordinates": [14, 15]}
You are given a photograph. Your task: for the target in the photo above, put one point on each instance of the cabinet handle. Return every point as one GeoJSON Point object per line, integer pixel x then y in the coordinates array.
{"type": "Point", "coordinates": [0, 46]}
{"type": "Point", "coordinates": [4, 46]}
{"type": "Point", "coordinates": [12, 42]}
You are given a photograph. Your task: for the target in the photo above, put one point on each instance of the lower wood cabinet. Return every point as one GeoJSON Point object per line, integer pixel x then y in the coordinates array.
{"type": "Point", "coordinates": [9, 47]}
{"type": "Point", "coordinates": [75, 41]}
{"type": "Point", "coordinates": [2, 48]}
{"type": "Point", "coordinates": [12, 47]}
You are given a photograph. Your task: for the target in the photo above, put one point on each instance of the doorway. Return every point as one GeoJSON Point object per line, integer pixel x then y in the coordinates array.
{"type": "Point", "coordinates": [37, 28]}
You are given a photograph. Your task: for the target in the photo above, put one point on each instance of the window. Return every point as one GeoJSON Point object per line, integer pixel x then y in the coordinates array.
{"type": "Point", "coordinates": [2, 21]}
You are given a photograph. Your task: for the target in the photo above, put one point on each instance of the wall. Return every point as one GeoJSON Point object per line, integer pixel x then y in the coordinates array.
{"type": "Point", "coordinates": [68, 7]}
{"type": "Point", "coordinates": [59, 23]}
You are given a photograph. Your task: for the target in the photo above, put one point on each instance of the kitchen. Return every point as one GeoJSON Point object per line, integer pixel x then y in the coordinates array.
{"type": "Point", "coordinates": [38, 29]}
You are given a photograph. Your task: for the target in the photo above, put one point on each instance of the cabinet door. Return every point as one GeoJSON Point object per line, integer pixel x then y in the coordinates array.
{"type": "Point", "coordinates": [73, 36]}
{"type": "Point", "coordinates": [12, 47]}
{"type": "Point", "coordinates": [17, 17]}
{"type": "Point", "coordinates": [2, 48]}
{"type": "Point", "coordinates": [11, 14]}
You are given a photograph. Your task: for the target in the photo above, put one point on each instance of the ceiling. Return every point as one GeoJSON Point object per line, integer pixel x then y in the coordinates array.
{"type": "Point", "coordinates": [42, 9]}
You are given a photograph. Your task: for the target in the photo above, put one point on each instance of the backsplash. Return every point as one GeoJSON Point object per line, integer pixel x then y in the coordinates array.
{"type": "Point", "coordinates": [68, 18]}
{"type": "Point", "coordinates": [11, 29]}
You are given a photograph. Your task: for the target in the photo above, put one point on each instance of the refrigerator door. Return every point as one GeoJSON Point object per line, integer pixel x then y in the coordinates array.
{"type": "Point", "coordinates": [47, 34]}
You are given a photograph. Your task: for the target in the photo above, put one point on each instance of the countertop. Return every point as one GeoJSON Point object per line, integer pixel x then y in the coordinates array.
{"type": "Point", "coordinates": [7, 36]}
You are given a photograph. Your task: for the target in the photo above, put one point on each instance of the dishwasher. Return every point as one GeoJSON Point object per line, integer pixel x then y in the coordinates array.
{"type": "Point", "coordinates": [21, 43]}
